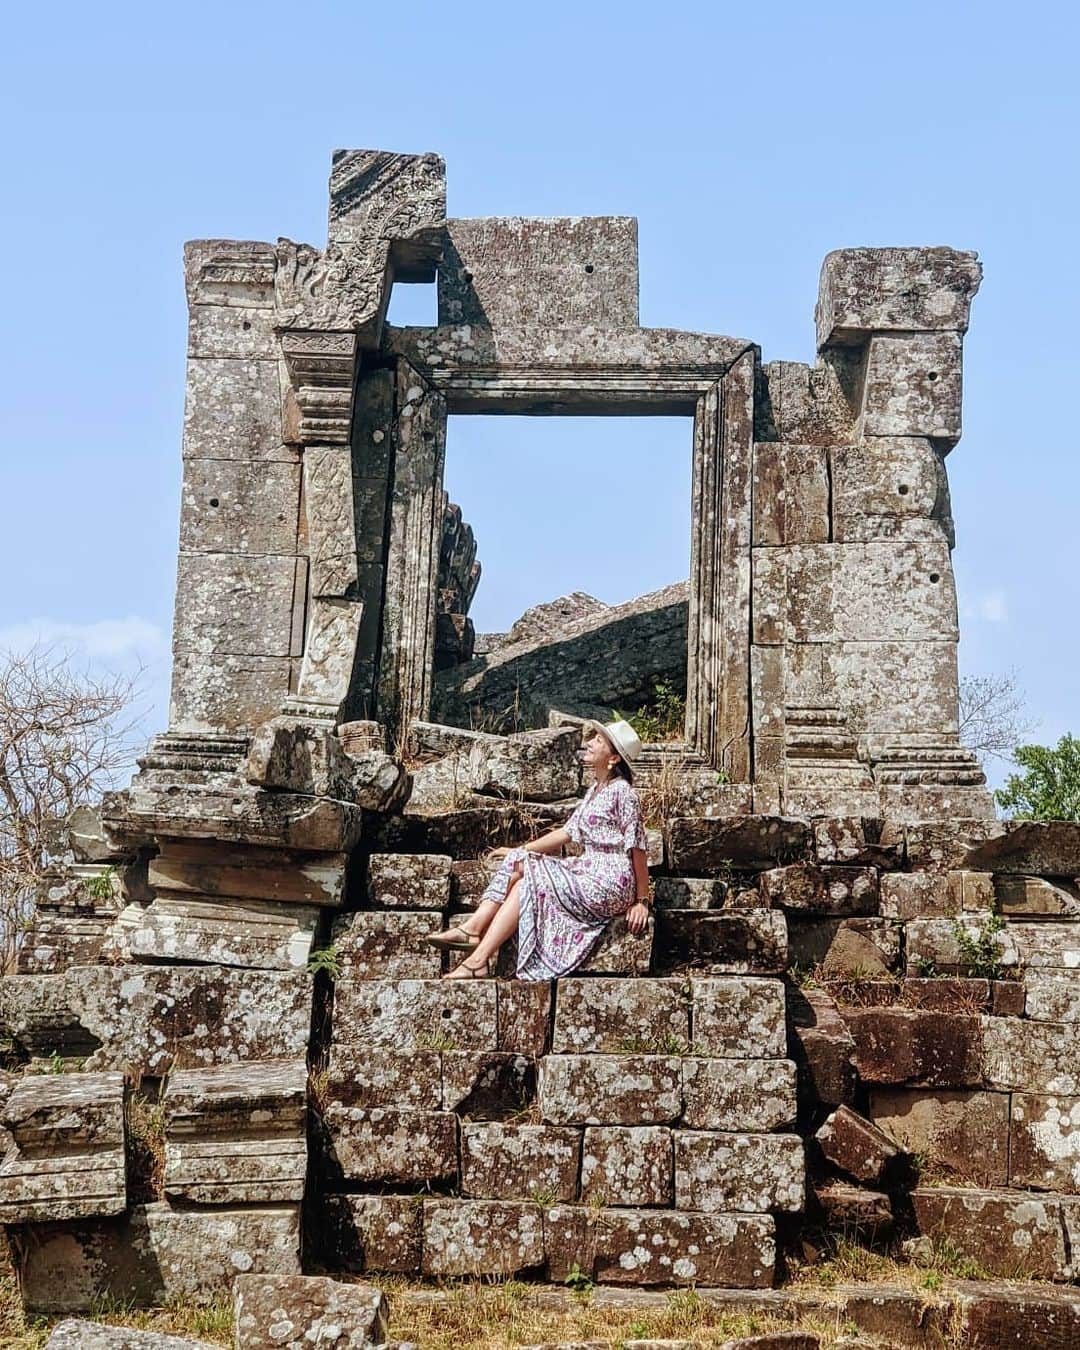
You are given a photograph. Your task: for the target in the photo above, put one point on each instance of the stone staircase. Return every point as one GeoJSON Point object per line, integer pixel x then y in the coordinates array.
{"type": "Point", "coordinates": [630, 1124]}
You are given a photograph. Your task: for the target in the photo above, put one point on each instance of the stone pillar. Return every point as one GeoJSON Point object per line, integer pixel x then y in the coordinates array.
{"type": "Point", "coordinates": [718, 655]}
{"type": "Point", "coordinates": [855, 620]}
{"type": "Point", "coordinates": [407, 662]}
{"type": "Point", "coordinates": [240, 578]}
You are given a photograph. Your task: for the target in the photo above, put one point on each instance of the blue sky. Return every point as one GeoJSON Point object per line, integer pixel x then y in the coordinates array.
{"type": "Point", "coordinates": [748, 141]}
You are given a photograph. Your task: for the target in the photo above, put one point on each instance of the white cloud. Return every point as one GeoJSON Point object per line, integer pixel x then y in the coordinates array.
{"type": "Point", "coordinates": [107, 640]}
{"type": "Point", "coordinates": [993, 607]}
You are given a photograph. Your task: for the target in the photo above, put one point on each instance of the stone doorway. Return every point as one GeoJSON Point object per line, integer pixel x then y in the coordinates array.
{"type": "Point", "coordinates": [718, 625]}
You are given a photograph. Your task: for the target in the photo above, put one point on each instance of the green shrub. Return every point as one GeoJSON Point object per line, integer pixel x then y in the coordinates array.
{"type": "Point", "coordinates": [1049, 787]}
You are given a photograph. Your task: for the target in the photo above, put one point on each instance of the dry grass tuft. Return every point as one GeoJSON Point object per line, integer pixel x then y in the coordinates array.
{"type": "Point", "coordinates": [145, 1149]}
{"type": "Point", "coordinates": [485, 1316]}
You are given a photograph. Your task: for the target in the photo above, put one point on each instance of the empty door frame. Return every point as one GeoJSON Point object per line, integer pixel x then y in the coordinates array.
{"type": "Point", "coordinates": [718, 648]}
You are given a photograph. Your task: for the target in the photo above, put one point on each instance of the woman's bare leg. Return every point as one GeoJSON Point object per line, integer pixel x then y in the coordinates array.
{"type": "Point", "coordinates": [503, 925]}
{"type": "Point", "coordinates": [480, 919]}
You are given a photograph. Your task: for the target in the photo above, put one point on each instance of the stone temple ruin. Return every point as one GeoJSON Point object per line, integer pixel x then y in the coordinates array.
{"type": "Point", "coordinates": [689, 1103]}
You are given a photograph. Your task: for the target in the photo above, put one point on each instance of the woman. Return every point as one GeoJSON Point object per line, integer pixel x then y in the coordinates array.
{"type": "Point", "coordinates": [560, 906]}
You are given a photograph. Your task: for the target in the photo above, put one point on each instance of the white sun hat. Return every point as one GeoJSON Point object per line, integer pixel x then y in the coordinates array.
{"type": "Point", "coordinates": [623, 737]}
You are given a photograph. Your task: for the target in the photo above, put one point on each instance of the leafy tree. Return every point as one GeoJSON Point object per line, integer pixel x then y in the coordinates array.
{"type": "Point", "coordinates": [1049, 789]}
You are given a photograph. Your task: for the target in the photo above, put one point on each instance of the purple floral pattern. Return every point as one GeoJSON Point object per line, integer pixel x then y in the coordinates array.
{"type": "Point", "coordinates": [566, 903]}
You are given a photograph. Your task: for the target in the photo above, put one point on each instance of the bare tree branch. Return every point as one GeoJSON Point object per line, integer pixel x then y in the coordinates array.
{"type": "Point", "coordinates": [66, 736]}
{"type": "Point", "coordinates": [993, 720]}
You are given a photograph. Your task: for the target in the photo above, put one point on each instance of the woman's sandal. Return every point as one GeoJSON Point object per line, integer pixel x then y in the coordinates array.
{"type": "Point", "coordinates": [444, 942]}
{"type": "Point", "coordinates": [471, 972]}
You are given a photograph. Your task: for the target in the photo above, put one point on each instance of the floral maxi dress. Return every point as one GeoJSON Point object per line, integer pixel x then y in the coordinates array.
{"type": "Point", "coordinates": [566, 903]}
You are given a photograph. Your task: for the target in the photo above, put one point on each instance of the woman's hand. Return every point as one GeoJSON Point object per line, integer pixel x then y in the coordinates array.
{"type": "Point", "coordinates": [637, 917]}
{"type": "Point", "coordinates": [496, 854]}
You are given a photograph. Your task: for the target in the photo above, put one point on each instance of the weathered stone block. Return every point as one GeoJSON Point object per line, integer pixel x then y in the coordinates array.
{"type": "Point", "coordinates": [705, 844]}
{"type": "Point", "coordinates": [939, 942]}
{"type": "Point", "coordinates": [1036, 896]}
{"type": "Point", "coordinates": [203, 930]}
{"type": "Point", "coordinates": [1016, 1234]}
{"type": "Point", "coordinates": [469, 878]}
{"type": "Point", "coordinates": [225, 693]}
{"type": "Point", "coordinates": [963, 1132]}
{"type": "Point", "coordinates": [724, 1094]}
{"type": "Point", "coordinates": [627, 1166]}
{"type": "Point", "coordinates": [147, 1019]}
{"type": "Point", "coordinates": [689, 893]}
{"type": "Point", "coordinates": [481, 1237]}
{"type": "Point", "coordinates": [610, 1089]}
{"type": "Point", "coordinates": [1044, 1139]}
{"type": "Point", "coordinates": [1028, 1056]}
{"type": "Point", "coordinates": [738, 1018]}
{"type": "Point", "coordinates": [208, 870]}
{"type": "Point", "coordinates": [409, 880]}
{"type": "Point", "coordinates": [912, 386]}
{"type": "Point", "coordinates": [235, 604]}
{"type": "Point", "coordinates": [239, 506]}
{"type": "Point", "coordinates": [1051, 996]}
{"type": "Point", "coordinates": [735, 941]}
{"type": "Point", "coordinates": [404, 1015]}
{"type": "Point", "coordinates": [297, 755]}
{"type": "Point", "coordinates": [1000, 1315]}
{"type": "Point", "coordinates": [883, 488]}
{"type": "Point", "coordinates": [358, 1077]}
{"type": "Point", "coordinates": [845, 946]}
{"type": "Point", "coordinates": [233, 411]}
{"type": "Point", "coordinates": [906, 1045]}
{"type": "Point", "coordinates": [944, 845]}
{"type": "Point", "coordinates": [855, 1146]}
{"type": "Point", "coordinates": [1036, 848]}
{"type": "Point", "coordinates": [739, 1173]}
{"type": "Point", "coordinates": [519, 1162]}
{"type": "Point", "coordinates": [620, 952]}
{"type": "Point", "coordinates": [386, 945]}
{"type": "Point", "coordinates": [868, 290]}
{"type": "Point", "coordinates": [65, 1148]}
{"type": "Point", "coordinates": [854, 842]}
{"type": "Point", "coordinates": [75, 1334]}
{"type": "Point", "coordinates": [670, 1247]}
{"type": "Point", "coordinates": [808, 888]}
{"type": "Point", "coordinates": [1045, 946]}
{"type": "Point", "coordinates": [391, 1144]}
{"type": "Point", "coordinates": [619, 1015]}
{"type": "Point", "coordinates": [524, 1016]}
{"type": "Point", "coordinates": [374, 1233]}
{"type": "Point", "coordinates": [916, 895]}
{"type": "Point", "coordinates": [823, 1048]}
{"type": "Point", "coordinates": [541, 766]}
{"type": "Point", "coordinates": [506, 272]}
{"type": "Point", "coordinates": [855, 1211]}
{"type": "Point", "coordinates": [791, 494]}
{"type": "Point", "coordinates": [487, 1085]}
{"type": "Point", "coordinates": [237, 1133]}
{"type": "Point", "coordinates": [808, 402]}
{"type": "Point", "coordinates": [290, 1312]}
{"type": "Point", "coordinates": [837, 593]}
{"type": "Point", "coordinates": [156, 1254]}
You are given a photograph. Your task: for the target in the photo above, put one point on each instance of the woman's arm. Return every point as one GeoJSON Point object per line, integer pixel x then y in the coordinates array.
{"type": "Point", "coordinates": [637, 916]}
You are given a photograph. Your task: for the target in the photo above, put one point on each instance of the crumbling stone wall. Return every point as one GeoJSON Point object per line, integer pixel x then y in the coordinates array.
{"type": "Point", "coordinates": [645, 1119]}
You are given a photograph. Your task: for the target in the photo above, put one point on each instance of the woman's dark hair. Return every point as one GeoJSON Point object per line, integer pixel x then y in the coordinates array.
{"type": "Point", "coordinates": [623, 770]}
